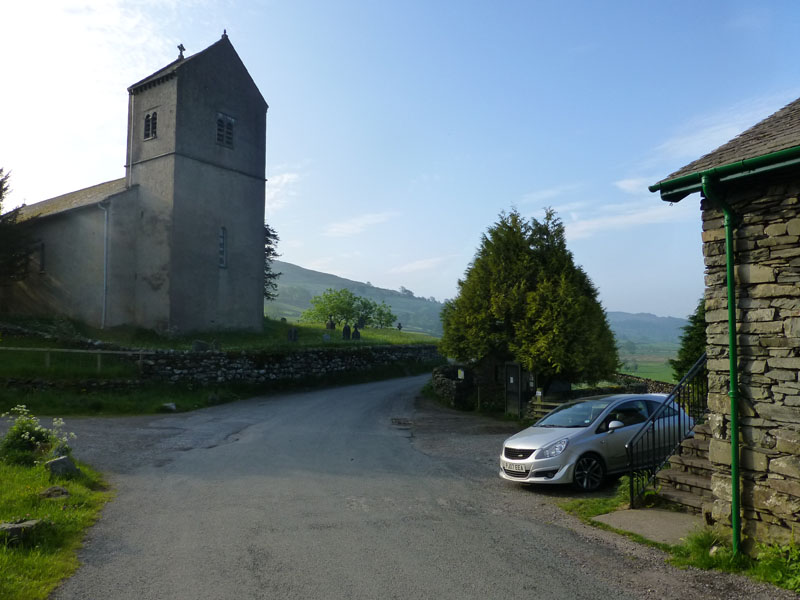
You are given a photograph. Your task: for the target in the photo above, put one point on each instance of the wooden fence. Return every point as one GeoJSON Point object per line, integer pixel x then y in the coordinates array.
{"type": "Point", "coordinates": [48, 352]}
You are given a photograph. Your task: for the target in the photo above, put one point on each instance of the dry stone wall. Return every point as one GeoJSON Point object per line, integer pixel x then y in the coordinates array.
{"type": "Point", "coordinates": [259, 367]}
{"type": "Point", "coordinates": [767, 258]}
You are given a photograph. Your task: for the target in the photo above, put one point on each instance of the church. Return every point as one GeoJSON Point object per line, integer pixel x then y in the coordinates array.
{"type": "Point", "coordinates": [177, 245]}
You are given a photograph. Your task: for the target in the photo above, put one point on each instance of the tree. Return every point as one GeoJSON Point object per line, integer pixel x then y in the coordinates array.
{"type": "Point", "coordinates": [271, 240]}
{"type": "Point", "coordinates": [384, 317]}
{"type": "Point", "coordinates": [16, 240]}
{"type": "Point", "coordinates": [343, 306]}
{"type": "Point", "coordinates": [693, 342]}
{"type": "Point", "coordinates": [365, 311]}
{"type": "Point", "coordinates": [524, 299]}
{"type": "Point", "coordinates": [337, 305]}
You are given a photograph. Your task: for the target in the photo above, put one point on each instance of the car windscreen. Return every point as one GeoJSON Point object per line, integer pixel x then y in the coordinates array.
{"type": "Point", "coordinates": [581, 413]}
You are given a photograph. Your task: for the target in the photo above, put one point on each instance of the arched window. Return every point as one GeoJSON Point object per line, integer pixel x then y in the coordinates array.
{"type": "Point", "coordinates": [150, 125]}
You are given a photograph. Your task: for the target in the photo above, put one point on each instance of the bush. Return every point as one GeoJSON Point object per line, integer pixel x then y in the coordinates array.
{"type": "Point", "coordinates": [28, 442]}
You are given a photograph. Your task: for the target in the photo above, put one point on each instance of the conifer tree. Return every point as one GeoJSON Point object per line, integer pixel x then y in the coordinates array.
{"type": "Point", "coordinates": [524, 299]}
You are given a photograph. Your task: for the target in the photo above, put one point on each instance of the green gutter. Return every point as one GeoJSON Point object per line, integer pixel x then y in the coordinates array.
{"type": "Point", "coordinates": [733, 389]}
{"type": "Point", "coordinates": [674, 190]}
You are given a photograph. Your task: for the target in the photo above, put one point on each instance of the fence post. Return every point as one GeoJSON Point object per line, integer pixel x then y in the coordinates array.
{"type": "Point", "coordinates": [99, 362]}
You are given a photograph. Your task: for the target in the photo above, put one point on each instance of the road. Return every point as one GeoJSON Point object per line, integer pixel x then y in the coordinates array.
{"type": "Point", "coordinates": [354, 492]}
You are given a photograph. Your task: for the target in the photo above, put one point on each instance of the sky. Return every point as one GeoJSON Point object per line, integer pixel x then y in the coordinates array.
{"type": "Point", "coordinates": [398, 132]}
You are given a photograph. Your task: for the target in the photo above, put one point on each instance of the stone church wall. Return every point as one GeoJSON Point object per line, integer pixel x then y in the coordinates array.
{"type": "Point", "coordinates": [767, 258]}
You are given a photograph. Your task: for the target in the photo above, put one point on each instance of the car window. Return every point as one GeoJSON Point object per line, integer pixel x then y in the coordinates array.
{"type": "Point", "coordinates": [581, 413]}
{"type": "Point", "coordinates": [630, 413]}
{"type": "Point", "coordinates": [668, 411]}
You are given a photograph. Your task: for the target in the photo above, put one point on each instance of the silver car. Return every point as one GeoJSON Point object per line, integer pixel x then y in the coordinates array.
{"type": "Point", "coordinates": [581, 442]}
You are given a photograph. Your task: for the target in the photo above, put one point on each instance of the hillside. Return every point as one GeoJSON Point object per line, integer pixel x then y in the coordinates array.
{"type": "Point", "coordinates": [636, 334]}
{"type": "Point", "coordinates": [296, 287]}
{"type": "Point", "coordinates": [646, 343]}
{"type": "Point", "coordinates": [644, 328]}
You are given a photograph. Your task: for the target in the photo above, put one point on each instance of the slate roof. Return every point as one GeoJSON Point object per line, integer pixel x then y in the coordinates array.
{"type": "Point", "coordinates": [84, 197]}
{"type": "Point", "coordinates": [779, 131]}
{"type": "Point", "coordinates": [168, 72]}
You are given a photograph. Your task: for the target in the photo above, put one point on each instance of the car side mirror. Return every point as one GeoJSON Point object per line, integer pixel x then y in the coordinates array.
{"type": "Point", "coordinates": [615, 425]}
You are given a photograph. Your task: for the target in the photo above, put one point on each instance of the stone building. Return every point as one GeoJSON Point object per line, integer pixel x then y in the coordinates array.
{"type": "Point", "coordinates": [178, 243]}
{"type": "Point", "coordinates": [753, 183]}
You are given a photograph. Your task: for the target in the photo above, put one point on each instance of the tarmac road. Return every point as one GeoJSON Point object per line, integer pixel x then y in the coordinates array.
{"type": "Point", "coordinates": [352, 492]}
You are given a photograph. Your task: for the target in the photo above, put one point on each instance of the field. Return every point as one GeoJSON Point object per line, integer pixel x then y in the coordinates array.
{"type": "Point", "coordinates": [648, 360]}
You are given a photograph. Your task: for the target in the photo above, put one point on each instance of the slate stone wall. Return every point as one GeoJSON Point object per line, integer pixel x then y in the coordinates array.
{"type": "Point", "coordinates": [767, 258]}
{"type": "Point", "coordinates": [260, 367]}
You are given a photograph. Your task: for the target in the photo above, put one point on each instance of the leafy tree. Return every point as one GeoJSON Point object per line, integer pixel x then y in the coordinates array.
{"type": "Point", "coordinates": [271, 240]}
{"type": "Point", "coordinates": [338, 305]}
{"type": "Point", "coordinates": [365, 311]}
{"type": "Point", "coordinates": [524, 299]}
{"type": "Point", "coordinates": [16, 239]}
{"type": "Point", "coordinates": [693, 342]}
{"type": "Point", "coordinates": [343, 306]}
{"type": "Point", "coordinates": [384, 317]}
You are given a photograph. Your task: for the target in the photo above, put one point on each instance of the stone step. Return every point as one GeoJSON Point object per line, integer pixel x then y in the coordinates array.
{"type": "Point", "coordinates": [690, 501]}
{"type": "Point", "coordinates": [702, 431]}
{"type": "Point", "coordinates": [695, 446]}
{"type": "Point", "coordinates": [688, 482]}
{"type": "Point", "coordinates": [691, 463]}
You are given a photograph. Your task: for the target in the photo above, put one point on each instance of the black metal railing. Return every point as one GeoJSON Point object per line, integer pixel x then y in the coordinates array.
{"type": "Point", "coordinates": [671, 423]}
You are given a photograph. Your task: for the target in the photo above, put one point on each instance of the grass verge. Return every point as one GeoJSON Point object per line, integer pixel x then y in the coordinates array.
{"type": "Point", "coordinates": [30, 569]}
{"type": "Point", "coordinates": [275, 336]}
{"type": "Point", "coordinates": [707, 549]}
{"type": "Point", "coordinates": [150, 399]}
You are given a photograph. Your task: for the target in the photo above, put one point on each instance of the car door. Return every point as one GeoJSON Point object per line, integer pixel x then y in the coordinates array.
{"type": "Point", "coordinates": [632, 414]}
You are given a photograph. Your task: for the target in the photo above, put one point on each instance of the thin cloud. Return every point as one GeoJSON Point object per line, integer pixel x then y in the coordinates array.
{"type": "Point", "coordinates": [279, 190]}
{"type": "Point", "coordinates": [632, 215]}
{"type": "Point", "coordinates": [425, 264]}
{"type": "Point", "coordinates": [357, 225]}
{"type": "Point", "coordinates": [549, 193]}
{"type": "Point", "coordinates": [705, 133]}
{"type": "Point", "coordinates": [634, 185]}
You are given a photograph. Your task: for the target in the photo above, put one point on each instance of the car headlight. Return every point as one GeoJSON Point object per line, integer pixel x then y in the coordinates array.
{"type": "Point", "coordinates": [554, 449]}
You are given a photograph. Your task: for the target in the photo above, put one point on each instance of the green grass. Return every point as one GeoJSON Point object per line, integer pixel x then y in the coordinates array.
{"type": "Point", "coordinates": [150, 399]}
{"type": "Point", "coordinates": [649, 360]}
{"type": "Point", "coordinates": [600, 503]}
{"type": "Point", "coordinates": [273, 337]}
{"type": "Point", "coordinates": [134, 401]}
{"type": "Point", "coordinates": [778, 565]}
{"type": "Point", "coordinates": [59, 365]}
{"type": "Point", "coordinates": [31, 569]}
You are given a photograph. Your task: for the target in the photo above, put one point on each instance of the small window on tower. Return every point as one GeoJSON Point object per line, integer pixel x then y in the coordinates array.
{"type": "Point", "coordinates": [225, 130]}
{"type": "Point", "coordinates": [223, 248]}
{"type": "Point", "coordinates": [150, 125]}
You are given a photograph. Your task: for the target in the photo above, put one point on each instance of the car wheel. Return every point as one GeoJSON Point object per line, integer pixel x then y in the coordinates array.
{"type": "Point", "coordinates": [589, 473]}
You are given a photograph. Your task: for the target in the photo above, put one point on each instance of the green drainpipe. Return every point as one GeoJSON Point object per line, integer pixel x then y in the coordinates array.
{"type": "Point", "coordinates": [674, 190]}
{"type": "Point", "coordinates": [709, 192]}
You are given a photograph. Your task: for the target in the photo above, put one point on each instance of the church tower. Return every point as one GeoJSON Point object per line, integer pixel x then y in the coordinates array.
{"type": "Point", "coordinates": [196, 154]}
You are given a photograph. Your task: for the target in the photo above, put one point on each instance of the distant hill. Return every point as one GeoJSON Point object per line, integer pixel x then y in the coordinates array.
{"type": "Point", "coordinates": [296, 287]}
{"type": "Point", "coordinates": [644, 328]}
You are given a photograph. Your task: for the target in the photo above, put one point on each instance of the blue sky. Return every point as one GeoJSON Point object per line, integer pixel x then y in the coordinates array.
{"type": "Point", "coordinates": [398, 131]}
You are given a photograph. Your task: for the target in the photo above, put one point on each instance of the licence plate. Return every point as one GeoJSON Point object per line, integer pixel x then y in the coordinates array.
{"type": "Point", "coordinates": [514, 467]}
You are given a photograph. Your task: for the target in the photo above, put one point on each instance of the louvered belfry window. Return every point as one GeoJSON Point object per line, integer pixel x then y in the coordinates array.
{"type": "Point", "coordinates": [225, 125]}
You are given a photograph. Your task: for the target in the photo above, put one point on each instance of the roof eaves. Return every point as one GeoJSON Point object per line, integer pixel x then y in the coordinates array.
{"type": "Point", "coordinates": [676, 189]}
